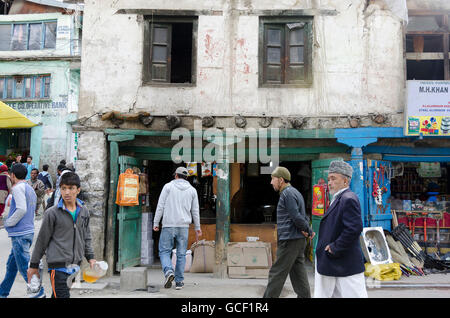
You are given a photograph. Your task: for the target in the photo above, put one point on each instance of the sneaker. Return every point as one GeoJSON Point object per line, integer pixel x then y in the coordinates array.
{"type": "Point", "coordinates": [169, 279]}
{"type": "Point", "coordinates": [40, 294]}
{"type": "Point", "coordinates": [179, 285]}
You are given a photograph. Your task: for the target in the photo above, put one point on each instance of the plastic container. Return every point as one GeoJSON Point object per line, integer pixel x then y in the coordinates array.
{"type": "Point", "coordinates": [91, 275]}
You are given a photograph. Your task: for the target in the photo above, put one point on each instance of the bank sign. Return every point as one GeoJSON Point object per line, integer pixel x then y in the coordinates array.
{"type": "Point", "coordinates": [427, 108]}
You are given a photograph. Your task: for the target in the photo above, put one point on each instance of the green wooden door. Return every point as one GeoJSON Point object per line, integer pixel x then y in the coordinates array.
{"type": "Point", "coordinates": [129, 219]}
{"type": "Point", "coordinates": [319, 170]}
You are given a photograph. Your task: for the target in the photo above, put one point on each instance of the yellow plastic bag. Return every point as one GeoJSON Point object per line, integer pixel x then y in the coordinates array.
{"type": "Point", "coordinates": [128, 189]}
{"type": "Point", "coordinates": [383, 272]}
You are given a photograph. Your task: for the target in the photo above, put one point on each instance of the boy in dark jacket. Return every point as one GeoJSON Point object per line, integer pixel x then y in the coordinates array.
{"type": "Point", "coordinates": [64, 237]}
{"type": "Point", "coordinates": [292, 230]}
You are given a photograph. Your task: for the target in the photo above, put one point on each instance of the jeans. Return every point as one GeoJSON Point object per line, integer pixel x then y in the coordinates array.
{"type": "Point", "coordinates": [169, 236]}
{"type": "Point", "coordinates": [17, 261]}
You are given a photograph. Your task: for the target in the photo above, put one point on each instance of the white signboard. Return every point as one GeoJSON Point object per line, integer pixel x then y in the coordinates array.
{"type": "Point", "coordinates": [428, 108]}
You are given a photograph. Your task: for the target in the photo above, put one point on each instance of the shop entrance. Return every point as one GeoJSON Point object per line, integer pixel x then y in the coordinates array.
{"type": "Point", "coordinates": [14, 142]}
{"type": "Point", "coordinates": [421, 200]}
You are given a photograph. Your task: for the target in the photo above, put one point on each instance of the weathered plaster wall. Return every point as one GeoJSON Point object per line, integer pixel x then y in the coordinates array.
{"type": "Point", "coordinates": [357, 63]}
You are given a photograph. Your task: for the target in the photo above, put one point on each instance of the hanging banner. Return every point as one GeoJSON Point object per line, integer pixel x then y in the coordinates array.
{"type": "Point", "coordinates": [427, 108]}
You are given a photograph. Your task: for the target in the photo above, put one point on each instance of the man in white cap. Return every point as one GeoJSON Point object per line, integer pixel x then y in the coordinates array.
{"type": "Point", "coordinates": [339, 259]}
{"type": "Point", "coordinates": [178, 207]}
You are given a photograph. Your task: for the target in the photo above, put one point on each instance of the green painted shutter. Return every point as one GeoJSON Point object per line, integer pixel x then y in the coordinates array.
{"type": "Point", "coordinates": [129, 219]}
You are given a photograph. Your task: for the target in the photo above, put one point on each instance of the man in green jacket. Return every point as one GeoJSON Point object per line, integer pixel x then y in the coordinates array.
{"type": "Point", "coordinates": [292, 230]}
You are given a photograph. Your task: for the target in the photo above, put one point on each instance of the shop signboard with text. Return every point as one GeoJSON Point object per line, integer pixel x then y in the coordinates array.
{"type": "Point", "coordinates": [427, 108]}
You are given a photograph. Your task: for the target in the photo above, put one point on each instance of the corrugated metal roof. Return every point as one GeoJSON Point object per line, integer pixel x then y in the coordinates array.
{"type": "Point", "coordinates": [59, 4]}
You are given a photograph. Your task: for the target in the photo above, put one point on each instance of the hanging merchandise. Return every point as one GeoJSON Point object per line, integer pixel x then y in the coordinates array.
{"type": "Point", "coordinates": [379, 189]}
{"type": "Point", "coordinates": [143, 183]}
{"type": "Point", "coordinates": [192, 168]}
{"type": "Point", "coordinates": [320, 198]}
{"type": "Point", "coordinates": [206, 169]}
{"type": "Point", "coordinates": [429, 170]}
{"type": "Point", "coordinates": [128, 189]}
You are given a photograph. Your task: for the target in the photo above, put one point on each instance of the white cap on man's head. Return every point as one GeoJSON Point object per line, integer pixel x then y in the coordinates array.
{"type": "Point", "coordinates": [182, 171]}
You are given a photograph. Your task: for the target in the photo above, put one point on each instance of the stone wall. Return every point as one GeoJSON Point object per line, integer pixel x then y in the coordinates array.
{"type": "Point", "coordinates": [92, 167]}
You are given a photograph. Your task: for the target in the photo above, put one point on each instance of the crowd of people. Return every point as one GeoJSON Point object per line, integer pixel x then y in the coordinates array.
{"type": "Point", "coordinates": [339, 263]}
{"type": "Point", "coordinates": [22, 191]}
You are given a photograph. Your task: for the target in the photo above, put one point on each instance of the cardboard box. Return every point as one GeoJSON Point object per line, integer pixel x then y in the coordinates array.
{"type": "Point", "coordinates": [243, 272]}
{"type": "Point", "coordinates": [249, 254]}
{"type": "Point", "coordinates": [249, 259]}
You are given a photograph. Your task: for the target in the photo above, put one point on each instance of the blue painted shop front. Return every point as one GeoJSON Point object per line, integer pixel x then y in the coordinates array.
{"type": "Point", "coordinates": [371, 178]}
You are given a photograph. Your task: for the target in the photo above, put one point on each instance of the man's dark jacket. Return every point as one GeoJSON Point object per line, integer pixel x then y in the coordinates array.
{"type": "Point", "coordinates": [340, 228]}
{"type": "Point", "coordinates": [291, 217]}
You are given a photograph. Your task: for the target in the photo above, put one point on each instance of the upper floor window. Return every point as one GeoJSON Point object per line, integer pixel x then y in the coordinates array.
{"type": "Point", "coordinates": [285, 51]}
{"type": "Point", "coordinates": [25, 87]}
{"type": "Point", "coordinates": [28, 36]}
{"type": "Point", "coordinates": [170, 50]}
{"type": "Point", "coordinates": [427, 46]}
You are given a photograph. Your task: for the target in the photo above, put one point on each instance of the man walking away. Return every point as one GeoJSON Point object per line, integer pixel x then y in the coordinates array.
{"type": "Point", "coordinates": [20, 227]}
{"type": "Point", "coordinates": [339, 259]}
{"type": "Point", "coordinates": [30, 166]}
{"type": "Point", "coordinates": [46, 178]}
{"type": "Point", "coordinates": [292, 230]}
{"type": "Point", "coordinates": [178, 206]}
{"type": "Point", "coordinates": [64, 237]}
{"type": "Point", "coordinates": [38, 187]}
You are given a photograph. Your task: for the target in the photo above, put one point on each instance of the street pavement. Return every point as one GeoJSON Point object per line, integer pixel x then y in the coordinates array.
{"type": "Point", "coordinates": [204, 285]}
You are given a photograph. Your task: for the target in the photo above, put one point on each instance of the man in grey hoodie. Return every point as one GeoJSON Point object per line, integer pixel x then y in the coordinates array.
{"type": "Point", "coordinates": [178, 206]}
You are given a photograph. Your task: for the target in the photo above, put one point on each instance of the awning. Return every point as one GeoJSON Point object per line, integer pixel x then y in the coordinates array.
{"type": "Point", "coordinates": [10, 118]}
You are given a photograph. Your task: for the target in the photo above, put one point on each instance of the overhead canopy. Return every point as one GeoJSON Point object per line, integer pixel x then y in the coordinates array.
{"type": "Point", "coordinates": [10, 118]}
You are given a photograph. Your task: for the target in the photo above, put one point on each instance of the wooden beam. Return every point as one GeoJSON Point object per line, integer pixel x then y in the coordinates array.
{"type": "Point", "coordinates": [111, 214]}
{"type": "Point", "coordinates": [120, 138]}
{"type": "Point", "coordinates": [282, 133]}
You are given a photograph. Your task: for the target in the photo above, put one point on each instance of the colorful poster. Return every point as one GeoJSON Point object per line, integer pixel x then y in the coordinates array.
{"type": "Point", "coordinates": [428, 108]}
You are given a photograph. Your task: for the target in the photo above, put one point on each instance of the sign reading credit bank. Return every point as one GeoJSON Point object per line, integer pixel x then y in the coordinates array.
{"type": "Point", "coordinates": [428, 108]}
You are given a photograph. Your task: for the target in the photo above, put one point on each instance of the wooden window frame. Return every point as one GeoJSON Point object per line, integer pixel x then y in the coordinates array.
{"type": "Point", "coordinates": [307, 22]}
{"type": "Point", "coordinates": [148, 47]}
{"type": "Point", "coordinates": [445, 38]}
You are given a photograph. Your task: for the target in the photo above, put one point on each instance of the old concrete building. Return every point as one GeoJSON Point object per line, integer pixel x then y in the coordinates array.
{"type": "Point", "coordinates": [328, 76]}
{"type": "Point", "coordinates": [40, 50]}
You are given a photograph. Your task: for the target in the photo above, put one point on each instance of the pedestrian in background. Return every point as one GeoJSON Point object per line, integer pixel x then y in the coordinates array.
{"type": "Point", "coordinates": [20, 227]}
{"type": "Point", "coordinates": [30, 166]}
{"type": "Point", "coordinates": [5, 186]}
{"type": "Point", "coordinates": [178, 207]}
{"type": "Point", "coordinates": [46, 178]}
{"type": "Point", "coordinates": [292, 230]}
{"type": "Point", "coordinates": [38, 187]}
{"type": "Point", "coordinates": [339, 259]}
{"type": "Point", "coordinates": [64, 237]}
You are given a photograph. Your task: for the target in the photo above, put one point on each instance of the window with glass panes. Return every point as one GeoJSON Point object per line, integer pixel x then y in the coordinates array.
{"type": "Point", "coordinates": [25, 87]}
{"type": "Point", "coordinates": [26, 36]}
{"type": "Point", "coordinates": [285, 54]}
{"type": "Point", "coordinates": [427, 45]}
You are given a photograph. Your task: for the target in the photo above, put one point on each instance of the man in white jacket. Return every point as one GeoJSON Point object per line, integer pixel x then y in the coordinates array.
{"type": "Point", "coordinates": [178, 206]}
